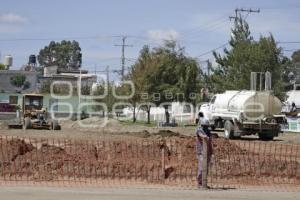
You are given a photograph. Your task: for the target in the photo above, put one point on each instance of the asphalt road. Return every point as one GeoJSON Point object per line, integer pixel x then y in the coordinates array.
{"type": "Point", "coordinates": [56, 193]}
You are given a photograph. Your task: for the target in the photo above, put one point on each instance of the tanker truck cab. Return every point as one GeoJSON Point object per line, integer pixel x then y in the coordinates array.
{"type": "Point", "coordinates": [244, 113]}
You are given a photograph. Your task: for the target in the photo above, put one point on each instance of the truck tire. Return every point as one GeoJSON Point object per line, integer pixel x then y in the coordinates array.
{"type": "Point", "coordinates": [27, 123]}
{"type": "Point", "coordinates": [265, 136]}
{"type": "Point", "coordinates": [54, 125]}
{"type": "Point", "coordinates": [228, 130]}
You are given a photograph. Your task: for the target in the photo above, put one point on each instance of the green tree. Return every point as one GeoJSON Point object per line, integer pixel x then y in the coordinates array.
{"type": "Point", "coordinates": [140, 76]}
{"type": "Point", "coordinates": [164, 74]}
{"type": "Point", "coordinates": [296, 56]}
{"type": "Point", "coordinates": [65, 54]}
{"type": "Point", "coordinates": [108, 99]}
{"type": "Point", "coordinates": [2, 66]}
{"type": "Point", "coordinates": [18, 80]}
{"type": "Point", "coordinates": [125, 90]}
{"type": "Point", "coordinates": [246, 55]}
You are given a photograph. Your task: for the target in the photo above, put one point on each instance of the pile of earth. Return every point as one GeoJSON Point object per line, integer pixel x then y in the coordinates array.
{"type": "Point", "coordinates": [140, 159]}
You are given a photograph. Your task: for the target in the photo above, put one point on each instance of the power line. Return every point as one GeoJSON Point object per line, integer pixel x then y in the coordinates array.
{"type": "Point", "coordinates": [59, 38]}
{"type": "Point", "coordinates": [290, 50]}
{"type": "Point", "coordinates": [210, 51]}
{"type": "Point", "coordinates": [289, 42]}
{"type": "Point", "coordinates": [123, 45]}
{"type": "Point", "coordinates": [207, 26]}
{"type": "Point", "coordinates": [216, 26]}
{"type": "Point", "coordinates": [224, 45]}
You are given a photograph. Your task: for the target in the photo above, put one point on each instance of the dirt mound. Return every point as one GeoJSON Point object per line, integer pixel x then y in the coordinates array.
{"type": "Point", "coordinates": [11, 149]}
{"type": "Point", "coordinates": [141, 134]}
{"type": "Point", "coordinates": [92, 123]}
{"type": "Point", "coordinates": [222, 148]}
{"type": "Point", "coordinates": [142, 159]}
{"type": "Point", "coordinates": [167, 133]}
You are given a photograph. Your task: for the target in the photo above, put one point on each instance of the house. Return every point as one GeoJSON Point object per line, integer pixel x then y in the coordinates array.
{"type": "Point", "coordinates": [31, 83]}
{"type": "Point", "coordinates": [52, 74]}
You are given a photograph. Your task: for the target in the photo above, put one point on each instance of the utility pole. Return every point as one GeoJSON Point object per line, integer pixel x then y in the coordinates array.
{"type": "Point", "coordinates": [208, 67]}
{"type": "Point", "coordinates": [241, 10]}
{"type": "Point", "coordinates": [108, 98]}
{"type": "Point", "coordinates": [123, 45]}
{"type": "Point", "coordinates": [107, 74]}
{"type": "Point", "coordinates": [79, 88]}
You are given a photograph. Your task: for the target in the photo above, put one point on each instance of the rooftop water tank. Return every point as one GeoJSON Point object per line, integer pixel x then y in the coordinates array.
{"type": "Point", "coordinates": [8, 61]}
{"type": "Point", "coordinates": [32, 59]}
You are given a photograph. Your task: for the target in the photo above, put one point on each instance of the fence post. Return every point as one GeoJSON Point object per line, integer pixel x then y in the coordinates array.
{"type": "Point", "coordinates": [163, 173]}
{"type": "Point", "coordinates": [204, 163]}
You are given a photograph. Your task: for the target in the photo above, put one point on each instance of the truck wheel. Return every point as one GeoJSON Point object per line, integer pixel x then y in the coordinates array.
{"type": "Point", "coordinates": [265, 136]}
{"type": "Point", "coordinates": [54, 125]}
{"type": "Point", "coordinates": [27, 123]}
{"type": "Point", "coordinates": [228, 130]}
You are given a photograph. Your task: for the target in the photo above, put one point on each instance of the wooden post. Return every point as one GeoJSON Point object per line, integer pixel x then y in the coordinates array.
{"type": "Point", "coordinates": [204, 163]}
{"type": "Point", "coordinates": [163, 175]}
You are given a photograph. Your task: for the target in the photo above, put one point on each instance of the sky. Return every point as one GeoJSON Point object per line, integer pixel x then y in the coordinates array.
{"type": "Point", "coordinates": [198, 25]}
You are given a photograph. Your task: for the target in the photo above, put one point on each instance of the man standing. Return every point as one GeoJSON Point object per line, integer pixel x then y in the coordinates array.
{"type": "Point", "coordinates": [294, 108]}
{"type": "Point", "coordinates": [203, 135]}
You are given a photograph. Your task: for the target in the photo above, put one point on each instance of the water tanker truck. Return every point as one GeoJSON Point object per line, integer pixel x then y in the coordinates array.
{"type": "Point", "coordinates": [245, 112]}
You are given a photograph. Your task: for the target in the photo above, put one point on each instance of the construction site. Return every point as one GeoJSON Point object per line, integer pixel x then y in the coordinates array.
{"type": "Point", "coordinates": [125, 155]}
{"type": "Point", "coordinates": [149, 100]}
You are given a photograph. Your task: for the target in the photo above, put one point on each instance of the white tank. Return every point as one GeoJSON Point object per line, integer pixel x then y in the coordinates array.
{"type": "Point", "coordinates": [253, 104]}
{"type": "Point", "coordinates": [293, 96]}
{"type": "Point", "coordinates": [8, 61]}
{"type": "Point", "coordinates": [95, 87]}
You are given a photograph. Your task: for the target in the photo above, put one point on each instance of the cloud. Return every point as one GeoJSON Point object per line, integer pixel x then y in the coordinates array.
{"type": "Point", "coordinates": [11, 18]}
{"type": "Point", "coordinates": [161, 35]}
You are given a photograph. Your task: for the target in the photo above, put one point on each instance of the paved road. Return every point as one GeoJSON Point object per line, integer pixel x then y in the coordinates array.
{"type": "Point", "coordinates": [55, 193]}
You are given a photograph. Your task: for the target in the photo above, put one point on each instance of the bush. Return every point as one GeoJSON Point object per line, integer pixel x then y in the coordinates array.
{"type": "Point", "coordinates": [18, 80]}
{"type": "Point", "coordinates": [2, 66]}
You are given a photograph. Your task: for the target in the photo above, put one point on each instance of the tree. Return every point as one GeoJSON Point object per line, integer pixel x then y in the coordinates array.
{"type": "Point", "coordinates": [61, 89]}
{"type": "Point", "coordinates": [296, 56]}
{"type": "Point", "coordinates": [65, 54]}
{"type": "Point", "coordinates": [140, 76]}
{"type": "Point", "coordinates": [126, 90]}
{"type": "Point", "coordinates": [108, 99]}
{"type": "Point", "coordinates": [2, 66]}
{"type": "Point", "coordinates": [18, 80]}
{"type": "Point", "coordinates": [245, 56]}
{"type": "Point", "coordinates": [164, 74]}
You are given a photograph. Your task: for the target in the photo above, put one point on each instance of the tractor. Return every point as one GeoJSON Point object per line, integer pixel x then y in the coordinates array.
{"type": "Point", "coordinates": [34, 116]}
